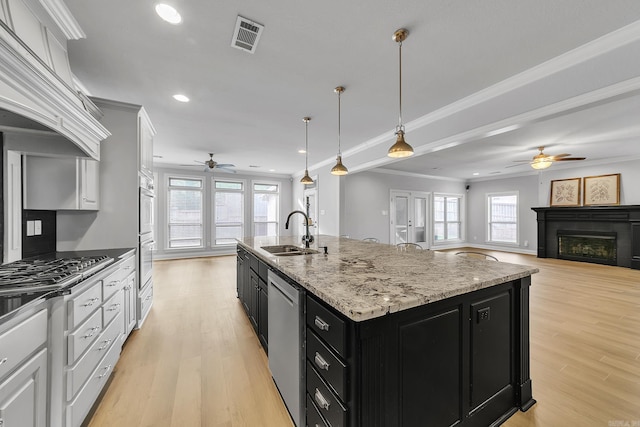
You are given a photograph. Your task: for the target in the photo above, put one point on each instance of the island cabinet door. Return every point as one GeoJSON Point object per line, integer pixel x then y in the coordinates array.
{"type": "Point", "coordinates": [451, 362]}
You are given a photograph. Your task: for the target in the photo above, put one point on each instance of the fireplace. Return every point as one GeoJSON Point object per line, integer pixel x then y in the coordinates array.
{"type": "Point", "coordinates": [589, 246]}
{"type": "Point", "coordinates": [599, 234]}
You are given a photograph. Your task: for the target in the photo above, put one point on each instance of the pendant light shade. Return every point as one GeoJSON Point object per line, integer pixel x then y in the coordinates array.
{"type": "Point", "coordinates": [306, 179]}
{"type": "Point", "coordinates": [400, 148]}
{"type": "Point", "coordinates": [339, 168]}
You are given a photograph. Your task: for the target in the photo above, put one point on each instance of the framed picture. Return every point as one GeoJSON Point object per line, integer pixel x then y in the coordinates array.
{"type": "Point", "coordinates": [602, 190]}
{"type": "Point", "coordinates": [565, 192]}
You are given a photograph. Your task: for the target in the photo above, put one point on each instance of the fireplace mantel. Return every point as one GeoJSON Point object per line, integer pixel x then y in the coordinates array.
{"type": "Point", "coordinates": [623, 220]}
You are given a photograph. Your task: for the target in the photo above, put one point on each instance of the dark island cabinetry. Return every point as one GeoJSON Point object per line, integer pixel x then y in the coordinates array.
{"type": "Point", "coordinates": [460, 361]}
{"type": "Point", "coordinates": [252, 291]}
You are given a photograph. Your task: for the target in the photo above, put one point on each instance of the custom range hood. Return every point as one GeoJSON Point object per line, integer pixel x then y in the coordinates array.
{"type": "Point", "coordinates": [36, 82]}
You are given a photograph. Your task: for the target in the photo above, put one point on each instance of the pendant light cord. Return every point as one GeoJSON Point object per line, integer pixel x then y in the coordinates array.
{"type": "Point", "coordinates": [339, 151]}
{"type": "Point", "coordinates": [400, 86]}
{"type": "Point", "coordinates": [306, 144]}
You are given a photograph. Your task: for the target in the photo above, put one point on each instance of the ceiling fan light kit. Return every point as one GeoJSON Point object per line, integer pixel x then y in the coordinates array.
{"type": "Point", "coordinates": [306, 179]}
{"type": "Point", "coordinates": [339, 169]}
{"type": "Point", "coordinates": [543, 161]}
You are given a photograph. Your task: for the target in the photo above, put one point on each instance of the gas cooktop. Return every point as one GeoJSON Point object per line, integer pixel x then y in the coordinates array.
{"type": "Point", "coordinates": [32, 275]}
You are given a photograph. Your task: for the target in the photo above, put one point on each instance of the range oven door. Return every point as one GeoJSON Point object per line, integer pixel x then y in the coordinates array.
{"type": "Point", "coordinates": [146, 211]}
{"type": "Point", "coordinates": [146, 259]}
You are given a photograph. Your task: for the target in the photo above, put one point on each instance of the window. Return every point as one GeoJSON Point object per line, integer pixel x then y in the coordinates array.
{"type": "Point", "coordinates": [228, 211]}
{"type": "Point", "coordinates": [446, 218]}
{"type": "Point", "coordinates": [185, 213]}
{"type": "Point", "coordinates": [266, 204]}
{"type": "Point", "coordinates": [503, 217]}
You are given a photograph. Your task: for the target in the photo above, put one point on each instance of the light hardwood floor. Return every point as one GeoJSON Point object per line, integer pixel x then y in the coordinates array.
{"type": "Point", "coordinates": [197, 361]}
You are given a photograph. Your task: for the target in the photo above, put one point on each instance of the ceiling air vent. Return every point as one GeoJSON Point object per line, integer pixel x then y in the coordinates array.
{"type": "Point", "coordinates": [246, 34]}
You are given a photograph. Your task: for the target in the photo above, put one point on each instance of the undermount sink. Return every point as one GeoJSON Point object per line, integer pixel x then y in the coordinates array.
{"type": "Point", "coordinates": [288, 250]}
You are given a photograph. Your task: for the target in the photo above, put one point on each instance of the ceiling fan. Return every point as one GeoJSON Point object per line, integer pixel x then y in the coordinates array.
{"type": "Point", "coordinates": [543, 161]}
{"type": "Point", "coordinates": [211, 164]}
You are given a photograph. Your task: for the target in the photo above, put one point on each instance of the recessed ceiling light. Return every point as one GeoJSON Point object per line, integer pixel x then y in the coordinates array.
{"type": "Point", "coordinates": [272, 170]}
{"type": "Point", "coordinates": [181, 98]}
{"type": "Point", "coordinates": [476, 173]}
{"type": "Point", "coordinates": [301, 151]}
{"type": "Point", "coordinates": [168, 13]}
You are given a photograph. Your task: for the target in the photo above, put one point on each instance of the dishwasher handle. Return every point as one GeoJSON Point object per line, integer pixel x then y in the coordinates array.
{"type": "Point", "coordinates": [283, 292]}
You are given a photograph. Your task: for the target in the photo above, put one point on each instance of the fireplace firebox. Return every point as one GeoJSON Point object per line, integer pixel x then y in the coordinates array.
{"type": "Point", "coordinates": [589, 246]}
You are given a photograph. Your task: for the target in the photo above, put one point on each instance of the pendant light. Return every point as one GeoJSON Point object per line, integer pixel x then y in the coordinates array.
{"type": "Point", "coordinates": [306, 179]}
{"type": "Point", "coordinates": [400, 148]}
{"type": "Point", "coordinates": [339, 168]}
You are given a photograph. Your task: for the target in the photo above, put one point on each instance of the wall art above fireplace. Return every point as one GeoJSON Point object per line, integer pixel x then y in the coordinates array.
{"type": "Point", "coordinates": [602, 190]}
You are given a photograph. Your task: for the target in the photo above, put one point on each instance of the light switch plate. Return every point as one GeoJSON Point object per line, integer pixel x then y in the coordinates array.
{"type": "Point", "coordinates": [30, 228]}
{"type": "Point", "coordinates": [37, 228]}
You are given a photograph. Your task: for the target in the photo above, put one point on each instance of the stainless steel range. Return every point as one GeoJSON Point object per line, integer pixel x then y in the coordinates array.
{"type": "Point", "coordinates": [32, 275]}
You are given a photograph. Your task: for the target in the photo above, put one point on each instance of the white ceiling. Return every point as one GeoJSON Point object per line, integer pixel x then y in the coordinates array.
{"type": "Point", "coordinates": [563, 74]}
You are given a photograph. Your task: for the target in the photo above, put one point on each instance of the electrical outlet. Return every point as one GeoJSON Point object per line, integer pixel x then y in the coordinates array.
{"type": "Point", "coordinates": [484, 314]}
{"type": "Point", "coordinates": [526, 243]}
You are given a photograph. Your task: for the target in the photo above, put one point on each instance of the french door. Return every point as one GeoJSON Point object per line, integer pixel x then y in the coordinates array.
{"type": "Point", "coordinates": [408, 218]}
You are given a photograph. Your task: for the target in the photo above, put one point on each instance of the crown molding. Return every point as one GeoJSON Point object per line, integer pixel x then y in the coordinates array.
{"type": "Point", "coordinates": [63, 18]}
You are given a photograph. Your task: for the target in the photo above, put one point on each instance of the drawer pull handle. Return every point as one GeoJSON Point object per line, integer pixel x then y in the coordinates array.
{"type": "Point", "coordinates": [105, 345]}
{"type": "Point", "coordinates": [113, 283]}
{"type": "Point", "coordinates": [127, 267]}
{"type": "Point", "coordinates": [114, 307]}
{"type": "Point", "coordinates": [321, 324]}
{"type": "Point", "coordinates": [148, 298]}
{"type": "Point", "coordinates": [106, 371]}
{"type": "Point", "coordinates": [91, 302]}
{"type": "Point", "coordinates": [320, 400]}
{"type": "Point", "coordinates": [92, 332]}
{"type": "Point", "coordinates": [320, 362]}
{"type": "Point", "coordinates": [3, 361]}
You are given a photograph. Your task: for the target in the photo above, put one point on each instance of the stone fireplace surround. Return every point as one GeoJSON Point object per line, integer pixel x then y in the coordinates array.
{"type": "Point", "coordinates": [622, 220]}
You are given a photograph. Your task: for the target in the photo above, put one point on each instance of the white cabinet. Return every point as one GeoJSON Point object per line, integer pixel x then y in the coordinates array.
{"type": "Point", "coordinates": [58, 183]}
{"type": "Point", "coordinates": [145, 130]}
{"type": "Point", "coordinates": [23, 370]}
{"type": "Point", "coordinates": [130, 298]}
{"type": "Point", "coordinates": [23, 396]}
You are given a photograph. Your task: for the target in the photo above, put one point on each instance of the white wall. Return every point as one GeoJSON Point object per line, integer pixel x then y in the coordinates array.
{"type": "Point", "coordinates": [534, 191]}
{"type": "Point", "coordinates": [329, 195]}
{"type": "Point", "coordinates": [367, 195]}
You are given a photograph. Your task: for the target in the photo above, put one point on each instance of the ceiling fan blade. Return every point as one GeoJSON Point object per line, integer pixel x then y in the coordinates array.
{"type": "Point", "coordinates": [569, 158]}
{"type": "Point", "coordinates": [556, 156]}
{"type": "Point", "coordinates": [225, 165]}
{"type": "Point", "coordinates": [519, 164]}
{"type": "Point", "coordinates": [522, 161]}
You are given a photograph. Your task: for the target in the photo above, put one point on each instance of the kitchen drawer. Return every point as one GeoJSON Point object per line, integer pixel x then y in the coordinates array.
{"type": "Point", "coordinates": [112, 307]}
{"type": "Point", "coordinates": [329, 366]}
{"type": "Point", "coordinates": [81, 306]}
{"type": "Point", "coordinates": [262, 270]}
{"type": "Point", "coordinates": [21, 340]}
{"type": "Point", "coordinates": [327, 326]}
{"type": "Point", "coordinates": [79, 408]}
{"type": "Point", "coordinates": [314, 419]}
{"type": "Point", "coordinates": [254, 263]}
{"type": "Point", "coordinates": [146, 301]}
{"type": "Point", "coordinates": [83, 337]}
{"type": "Point", "coordinates": [77, 375]}
{"type": "Point", "coordinates": [327, 403]}
{"type": "Point", "coordinates": [116, 280]}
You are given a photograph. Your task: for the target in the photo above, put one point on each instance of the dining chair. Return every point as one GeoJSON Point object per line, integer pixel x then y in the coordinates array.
{"type": "Point", "coordinates": [405, 246]}
{"type": "Point", "coordinates": [473, 254]}
{"type": "Point", "coordinates": [371, 239]}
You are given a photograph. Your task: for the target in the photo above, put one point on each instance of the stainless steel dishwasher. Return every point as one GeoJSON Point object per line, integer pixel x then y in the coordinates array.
{"type": "Point", "coordinates": [285, 344]}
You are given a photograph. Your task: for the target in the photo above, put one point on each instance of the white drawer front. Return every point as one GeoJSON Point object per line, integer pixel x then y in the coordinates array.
{"type": "Point", "coordinates": [112, 307]}
{"type": "Point", "coordinates": [78, 409]}
{"type": "Point", "coordinates": [116, 280]}
{"type": "Point", "coordinates": [21, 340]}
{"type": "Point", "coordinates": [146, 301]}
{"type": "Point", "coordinates": [77, 375]}
{"type": "Point", "coordinates": [83, 337]}
{"type": "Point", "coordinates": [81, 306]}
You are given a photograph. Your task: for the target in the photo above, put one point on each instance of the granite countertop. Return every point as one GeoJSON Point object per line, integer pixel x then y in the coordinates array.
{"type": "Point", "coordinates": [364, 280]}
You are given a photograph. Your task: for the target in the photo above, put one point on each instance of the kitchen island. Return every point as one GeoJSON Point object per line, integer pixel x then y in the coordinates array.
{"type": "Point", "coordinates": [407, 338]}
